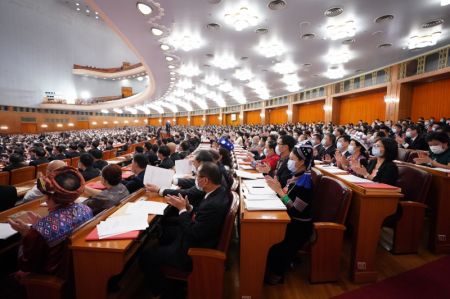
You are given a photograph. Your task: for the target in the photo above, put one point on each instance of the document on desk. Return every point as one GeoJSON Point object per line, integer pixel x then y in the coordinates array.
{"type": "Point", "coordinates": [258, 190]}
{"type": "Point", "coordinates": [122, 224]}
{"type": "Point", "coordinates": [160, 177]}
{"type": "Point", "coordinates": [259, 197]}
{"type": "Point", "coordinates": [331, 169]}
{"type": "Point", "coordinates": [248, 175]}
{"type": "Point", "coordinates": [6, 231]}
{"type": "Point", "coordinates": [183, 166]}
{"type": "Point", "coordinates": [353, 179]}
{"type": "Point", "coordinates": [245, 167]}
{"type": "Point", "coordinates": [253, 183]}
{"type": "Point", "coordinates": [265, 205]}
{"type": "Point", "coordinates": [23, 189]}
{"type": "Point", "coordinates": [147, 207]}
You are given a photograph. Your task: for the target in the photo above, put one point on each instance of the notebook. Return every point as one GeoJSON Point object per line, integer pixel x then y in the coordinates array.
{"type": "Point", "coordinates": [126, 174]}
{"type": "Point", "coordinates": [378, 186]}
{"type": "Point", "coordinates": [96, 185]}
{"type": "Point", "coordinates": [93, 236]}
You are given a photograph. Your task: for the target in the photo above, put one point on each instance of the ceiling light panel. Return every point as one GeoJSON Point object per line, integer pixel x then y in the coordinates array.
{"type": "Point", "coordinates": [144, 8]}
{"type": "Point", "coordinates": [185, 84]}
{"type": "Point", "coordinates": [226, 87]}
{"type": "Point", "coordinates": [189, 70]}
{"type": "Point", "coordinates": [224, 62]}
{"type": "Point", "coordinates": [343, 30]}
{"type": "Point", "coordinates": [212, 80]}
{"type": "Point", "coordinates": [284, 67]}
{"type": "Point", "coordinates": [184, 41]}
{"type": "Point", "coordinates": [243, 74]}
{"type": "Point", "coordinates": [241, 18]}
{"type": "Point", "coordinates": [338, 56]}
{"type": "Point", "coordinates": [422, 41]}
{"type": "Point", "coordinates": [270, 48]}
{"type": "Point", "coordinates": [157, 31]}
{"type": "Point", "coordinates": [335, 72]}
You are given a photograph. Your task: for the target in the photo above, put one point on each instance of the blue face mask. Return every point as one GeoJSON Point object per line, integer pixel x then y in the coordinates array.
{"type": "Point", "coordinates": [376, 151]}
{"type": "Point", "coordinates": [291, 166]}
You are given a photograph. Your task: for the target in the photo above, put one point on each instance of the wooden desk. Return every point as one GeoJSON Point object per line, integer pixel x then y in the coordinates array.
{"type": "Point", "coordinates": [95, 262]}
{"type": "Point", "coordinates": [367, 212]}
{"type": "Point", "coordinates": [258, 232]}
{"type": "Point", "coordinates": [24, 187]}
{"type": "Point", "coordinates": [439, 201]}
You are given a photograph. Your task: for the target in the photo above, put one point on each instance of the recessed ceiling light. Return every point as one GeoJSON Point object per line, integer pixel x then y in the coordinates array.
{"type": "Point", "coordinates": [333, 12]}
{"type": "Point", "coordinates": [164, 47]}
{"type": "Point", "coordinates": [335, 72]}
{"type": "Point", "coordinates": [377, 33]}
{"type": "Point", "coordinates": [307, 64]}
{"type": "Point", "coordinates": [445, 2]}
{"type": "Point", "coordinates": [385, 18]}
{"type": "Point", "coordinates": [262, 30]}
{"type": "Point", "coordinates": [144, 8]}
{"type": "Point", "coordinates": [169, 58]}
{"type": "Point", "coordinates": [285, 67]}
{"type": "Point", "coordinates": [277, 4]}
{"type": "Point", "coordinates": [96, 12]}
{"type": "Point", "coordinates": [244, 58]}
{"type": "Point", "coordinates": [157, 31]}
{"type": "Point", "coordinates": [78, 9]}
{"type": "Point", "coordinates": [433, 23]}
{"type": "Point", "coordinates": [185, 41]}
{"type": "Point", "coordinates": [172, 73]}
{"type": "Point", "coordinates": [308, 36]}
{"type": "Point", "coordinates": [241, 18]}
{"type": "Point", "coordinates": [341, 30]}
{"type": "Point", "coordinates": [77, 4]}
{"type": "Point", "coordinates": [338, 56]}
{"type": "Point", "coordinates": [348, 41]}
{"type": "Point", "coordinates": [304, 24]}
{"type": "Point", "coordinates": [96, 17]}
{"type": "Point", "coordinates": [224, 62]}
{"type": "Point", "coordinates": [171, 66]}
{"type": "Point", "coordinates": [213, 26]}
{"type": "Point", "coordinates": [88, 11]}
{"type": "Point", "coordinates": [386, 45]}
{"type": "Point", "coordinates": [270, 48]}
{"type": "Point", "coordinates": [422, 41]}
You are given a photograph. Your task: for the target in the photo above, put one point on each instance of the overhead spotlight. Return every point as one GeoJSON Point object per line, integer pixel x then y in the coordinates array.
{"type": "Point", "coordinates": [78, 9]}
{"type": "Point", "coordinates": [140, 78]}
{"type": "Point", "coordinates": [241, 18]}
{"type": "Point", "coordinates": [335, 72]}
{"type": "Point", "coordinates": [185, 41]}
{"type": "Point", "coordinates": [284, 67]}
{"type": "Point", "coordinates": [105, 111]}
{"type": "Point", "coordinates": [169, 58]}
{"type": "Point", "coordinates": [171, 66]}
{"type": "Point", "coordinates": [341, 30]}
{"type": "Point", "coordinates": [144, 8]}
{"type": "Point", "coordinates": [157, 31]}
{"type": "Point", "coordinates": [164, 47]}
{"type": "Point", "coordinates": [224, 61]}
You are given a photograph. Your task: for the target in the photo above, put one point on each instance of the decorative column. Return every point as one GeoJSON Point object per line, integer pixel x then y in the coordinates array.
{"type": "Point", "coordinates": [264, 113]}
{"type": "Point", "coordinates": [189, 118]}
{"type": "Point", "coordinates": [241, 114]}
{"type": "Point", "coordinates": [398, 96]}
{"type": "Point", "coordinates": [331, 106]}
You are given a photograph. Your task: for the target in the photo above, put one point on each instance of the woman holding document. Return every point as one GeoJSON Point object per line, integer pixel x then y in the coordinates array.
{"type": "Point", "coordinates": [297, 196]}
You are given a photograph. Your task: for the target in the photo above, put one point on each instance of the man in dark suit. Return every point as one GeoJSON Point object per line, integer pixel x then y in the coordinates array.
{"type": "Point", "coordinates": [58, 153]}
{"type": "Point", "coordinates": [99, 163]}
{"type": "Point", "coordinates": [201, 229]}
{"type": "Point", "coordinates": [318, 149]}
{"type": "Point", "coordinates": [86, 167]}
{"type": "Point", "coordinates": [184, 149]}
{"type": "Point", "coordinates": [329, 146]}
{"type": "Point", "coordinates": [40, 157]}
{"type": "Point", "coordinates": [138, 166]}
{"type": "Point", "coordinates": [73, 151]}
{"type": "Point", "coordinates": [168, 126]}
{"type": "Point", "coordinates": [412, 140]}
{"type": "Point", "coordinates": [164, 157]}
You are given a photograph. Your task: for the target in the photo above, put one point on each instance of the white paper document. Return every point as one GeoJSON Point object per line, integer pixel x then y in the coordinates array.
{"type": "Point", "coordinates": [6, 231]}
{"type": "Point", "coordinates": [183, 166]}
{"type": "Point", "coordinates": [160, 177]}
{"type": "Point", "coordinates": [265, 205]}
{"type": "Point", "coordinates": [354, 179]}
{"type": "Point", "coordinates": [80, 199]}
{"type": "Point", "coordinates": [248, 175]}
{"type": "Point", "coordinates": [259, 197]}
{"type": "Point", "coordinates": [331, 169]}
{"type": "Point", "coordinates": [122, 224]}
{"type": "Point", "coordinates": [252, 183]}
{"type": "Point", "coordinates": [258, 190]}
{"type": "Point", "coordinates": [146, 207]}
{"type": "Point", "coordinates": [246, 167]}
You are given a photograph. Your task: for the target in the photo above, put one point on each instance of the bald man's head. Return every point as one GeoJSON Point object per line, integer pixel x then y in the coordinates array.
{"type": "Point", "coordinates": [55, 164]}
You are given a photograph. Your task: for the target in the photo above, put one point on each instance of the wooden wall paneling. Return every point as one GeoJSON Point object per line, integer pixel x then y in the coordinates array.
{"type": "Point", "coordinates": [82, 124]}
{"type": "Point", "coordinates": [229, 122]}
{"type": "Point", "coordinates": [310, 112]}
{"type": "Point", "coordinates": [213, 119]}
{"type": "Point", "coordinates": [197, 120]}
{"type": "Point", "coordinates": [252, 117]}
{"type": "Point", "coordinates": [404, 105]}
{"type": "Point", "coordinates": [278, 115]}
{"type": "Point", "coordinates": [182, 121]}
{"type": "Point", "coordinates": [154, 121]}
{"type": "Point", "coordinates": [28, 128]}
{"type": "Point", "coordinates": [431, 99]}
{"type": "Point", "coordinates": [367, 107]}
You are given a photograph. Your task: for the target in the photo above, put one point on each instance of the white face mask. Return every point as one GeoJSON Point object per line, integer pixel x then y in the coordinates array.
{"type": "Point", "coordinates": [197, 186]}
{"type": "Point", "coordinates": [408, 134]}
{"type": "Point", "coordinates": [291, 166]}
{"type": "Point", "coordinates": [437, 149]}
{"type": "Point", "coordinates": [394, 130]}
{"type": "Point", "coordinates": [266, 152]}
{"type": "Point", "coordinates": [277, 150]}
{"type": "Point", "coordinates": [376, 151]}
{"type": "Point", "coordinates": [351, 149]}
{"type": "Point", "coordinates": [324, 142]}
{"type": "Point", "coordinates": [339, 145]}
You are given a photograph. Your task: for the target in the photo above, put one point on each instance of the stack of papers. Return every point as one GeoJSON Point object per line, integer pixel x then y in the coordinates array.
{"type": "Point", "coordinates": [265, 205]}
{"type": "Point", "coordinates": [122, 224]}
{"type": "Point", "coordinates": [249, 175]}
{"type": "Point", "coordinates": [260, 197]}
{"type": "Point", "coordinates": [6, 231]}
{"type": "Point", "coordinates": [331, 169]}
{"type": "Point", "coordinates": [160, 177]}
{"type": "Point", "coordinates": [353, 179]}
{"type": "Point", "coordinates": [146, 207]}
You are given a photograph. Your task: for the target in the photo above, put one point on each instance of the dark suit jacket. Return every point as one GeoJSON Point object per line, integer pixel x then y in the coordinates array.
{"type": "Point", "coordinates": [194, 195]}
{"type": "Point", "coordinates": [418, 144]}
{"type": "Point", "coordinates": [320, 152]}
{"type": "Point", "coordinates": [387, 173]}
{"type": "Point", "coordinates": [90, 173]}
{"type": "Point", "coordinates": [204, 229]}
{"type": "Point", "coordinates": [167, 163]}
{"type": "Point", "coordinates": [330, 151]}
{"type": "Point", "coordinates": [99, 164]}
{"type": "Point", "coordinates": [58, 157]}
{"type": "Point", "coordinates": [151, 157]}
{"type": "Point", "coordinates": [72, 154]}
{"type": "Point", "coordinates": [135, 183]}
{"type": "Point", "coordinates": [282, 172]}
{"type": "Point", "coordinates": [38, 161]}
{"type": "Point", "coordinates": [186, 183]}
{"type": "Point", "coordinates": [184, 154]}
{"type": "Point", "coordinates": [175, 156]}
{"type": "Point", "coordinates": [15, 166]}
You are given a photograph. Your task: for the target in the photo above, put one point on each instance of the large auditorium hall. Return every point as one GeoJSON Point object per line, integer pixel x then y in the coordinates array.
{"type": "Point", "coordinates": [224, 149]}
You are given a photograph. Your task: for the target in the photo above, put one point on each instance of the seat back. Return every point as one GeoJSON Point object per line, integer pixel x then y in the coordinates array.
{"type": "Point", "coordinates": [331, 201]}
{"type": "Point", "coordinates": [228, 223]}
{"type": "Point", "coordinates": [23, 174]}
{"type": "Point", "coordinates": [74, 162]}
{"type": "Point", "coordinates": [414, 183]}
{"type": "Point", "coordinates": [113, 153]}
{"type": "Point", "coordinates": [106, 155]}
{"type": "Point", "coordinates": [412, 155]}
{"type": "Point", "coordinates": [316, 176]}
{"type": "Point", "coordinates": [42, 168]}
{"type": "Point", "coordinates": [403, 154]}
{"type": "Point", "coordinates": [8, 198]}
{"type": "Point", "coordinates": [4, 177]}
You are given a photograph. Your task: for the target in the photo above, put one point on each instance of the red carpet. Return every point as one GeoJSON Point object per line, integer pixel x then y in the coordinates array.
{"type": "Point", "coordinates": [431, 281]}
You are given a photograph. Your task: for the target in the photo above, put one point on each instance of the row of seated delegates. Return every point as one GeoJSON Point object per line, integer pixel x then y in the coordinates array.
{"type": "Point", "coordinates": [194, 228]}
{"type": "Point", "coordinates": [43, 248]}
{"type": "Point", "coordinates": [439, 155]}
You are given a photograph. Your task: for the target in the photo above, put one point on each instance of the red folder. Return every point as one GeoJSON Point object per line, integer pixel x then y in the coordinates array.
{"type": "Point", "coordinates": [93, 236]}
{"type": "Point", "coordinates": [126, 174]}
{"type": "Point", "coordinates": [96, 185]}
{"type": "Point", "coordinates": [378, 186]}
{"type": "Point", "coordinates": [126, 168]}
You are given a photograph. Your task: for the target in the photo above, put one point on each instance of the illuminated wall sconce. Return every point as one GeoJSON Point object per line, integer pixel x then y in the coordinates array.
{"type": "Point", "coordinates": [160, 120]}
{"type": "Point", "coordinates": [174, 119]}
{"type": "Point", "coordinates": [289, 112]}
{"type": "Point", "coordinates": [262, 115]}
{"type": "Point", "coordinates": [3, 127]}
{"type": "Point", "coordinates": [59, 125]}
{"type": "Point", "coordinates": [125, 121]}
{"type": "Point", "coordinates": [70, 124]}
{"type": "Point", "coordinates": [241, 116]}
{"type": "Point", "coordinates": [203, 118]}
{"type": "Point", "coordinates": [327, 108]}
{"type": "Point", "coordinates": [146, 121]}
{"type": "Point", "coordinates": [220, 117]}
{"type": "Point", "coordinates": [136, 121]}
{"type": "Point", "coordinates": [94, 123]}
{"type": "Point", "coordinates": [390, 99]}
{"type": "Point", "coordinates": [44, 126]}
{"type": "Point", "coordinates": [188, 119]}
{"type": "Point", "coordinates": [105, 122]}
{"type": "Point", "coordinates": [116, 122]}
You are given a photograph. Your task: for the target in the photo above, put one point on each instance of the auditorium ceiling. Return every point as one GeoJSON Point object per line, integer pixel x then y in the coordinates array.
{"type": "Point", "coordinates": [209, 53]}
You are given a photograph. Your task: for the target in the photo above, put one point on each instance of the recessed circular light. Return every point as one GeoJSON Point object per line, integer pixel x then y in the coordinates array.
{"type": "Point", "coordinates": [78, 9]}
{"type": "Point", "coordinates": [333, 12]}
{"type": "Point", "coordinates": [172, 73]}
{"type": "Point", "coordinates": [348, 41]}
{"type": "Point", "coordinates": [262, 30]}
{"type": "Point", "coordinates": [244, 58]}
{"type": "Point", "coordinates": [168, 58]}
{"type": "Point", "coordinates": [144, 8]}
{"type": "Point", "coordinates": [209, 55]}
{"type": "Point", "coordinates": [164, 47]}
{"type": "Point", "coordinates": [157, 31]}
{"type": "Point", "coordinates": [88, 11]}
{"type": "Point", "coordinates": [386, 45]}
{"type": "Point", "coordinates": [214, 1]}
{"type": "Point", "coordinates": [171, 66]}
{"type": "Point", "coordinates": [433, 23]}
{"type": "Point", "coordinates": [77, 4]}
{"type": "Point", "coordinates": [304, 24]}
{"type": "Point", "coordinates": [308, 36]}
{"type": "Point", "coordinates": [213, 26]}
{"type": "Point", "coordinates": [385, 18]}
{"type": "Point", "coordinates": [277, 4]}
{"type": "Point", "coordinates": [307, 64]}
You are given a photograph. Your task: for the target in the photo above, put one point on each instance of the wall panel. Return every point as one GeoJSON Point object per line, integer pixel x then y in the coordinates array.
{"type": "Point", "coordinates": [311, 112]}
{"type": "Point", "coordinates": [278, 115]}
{"type": "Point", "coordinates": [431, 99]}
{"type": "Point", "coordinates": [367, 107]}
{"type": "Point", "coordinates": [197, 120]}
{"type": "Point", "coordinates": [182, 121]}
{"type": "Point", "coordinates": [230, 122]}
{"type": "Point", "coordinates": [253, 117]}
{"type": "Point", "coordinates": [213, 119]}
